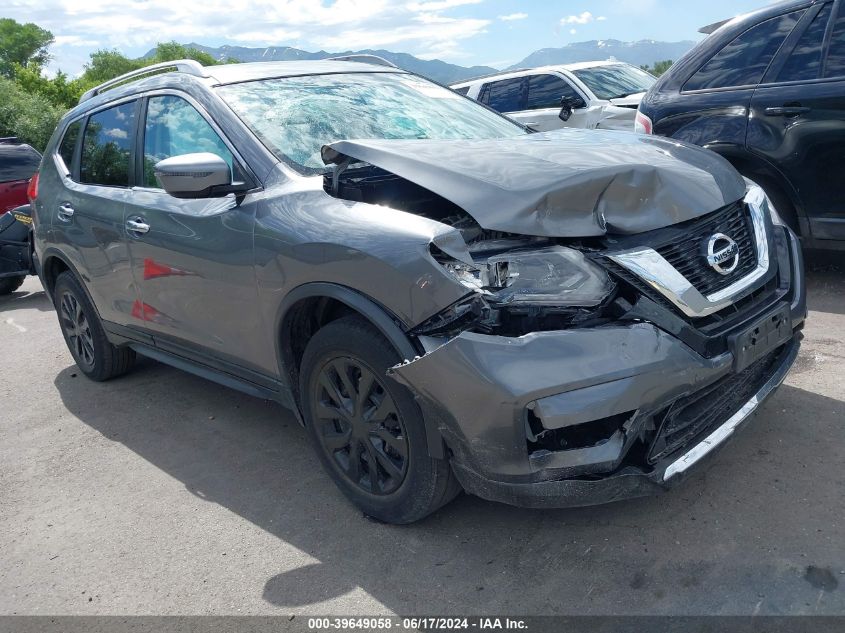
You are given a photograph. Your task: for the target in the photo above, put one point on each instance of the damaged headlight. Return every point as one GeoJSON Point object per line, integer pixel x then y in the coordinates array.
{"type": "Point", "coordinates": [552, 276]}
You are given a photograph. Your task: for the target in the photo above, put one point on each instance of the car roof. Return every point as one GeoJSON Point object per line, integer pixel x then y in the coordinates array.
{"type": "Point", "coordinates": [223, 75]}
{"type": "Point", "coordinates": [757, 15]}
{"type": "Point", "coordinates": [17, 149]}
{"type": "Point", "coordinates": [723, 33]}
{"type": "Point", "coordinates": [18, 161]}
{"type": "Point", "coordinates": [517, 72]}
{"type": "Point", "coordinates": [236, 73]}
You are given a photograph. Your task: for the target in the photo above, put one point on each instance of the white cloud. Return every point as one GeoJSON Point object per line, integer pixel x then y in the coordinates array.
{"type": "Point", "coordinates": [582, 18]}
{"type": "Point", "coordinates": [601, 18]}
{"type": "Point", "coordinates": [437, 31]}
{"type": "Point", "coordinates": [439, 5]}
{"type": "Point", "coordinates": [420, 27]}
{"type": "Point", "coordinates": [513, 16]}
{"type": "Point", "coordinates": [573, 31]}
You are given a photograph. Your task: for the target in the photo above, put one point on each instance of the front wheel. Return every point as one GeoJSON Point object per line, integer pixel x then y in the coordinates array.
{"type": "Point", "coordinates": [367, 429]}
{"type": "Point", "coordinates": [84, 334]}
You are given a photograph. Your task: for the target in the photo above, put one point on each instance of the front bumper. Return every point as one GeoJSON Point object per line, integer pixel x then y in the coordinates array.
{"type": "Point", "coordinates": [493, 398]}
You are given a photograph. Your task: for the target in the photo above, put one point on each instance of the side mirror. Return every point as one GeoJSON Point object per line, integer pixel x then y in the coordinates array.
{"type": "Point", "coordinates": [193, 175]}
{"type": "Point", "coordinates": [568, 104]}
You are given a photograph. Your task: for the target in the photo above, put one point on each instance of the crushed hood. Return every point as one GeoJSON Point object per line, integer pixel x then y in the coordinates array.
{"type": "Point", "coordinates": [566, 183]}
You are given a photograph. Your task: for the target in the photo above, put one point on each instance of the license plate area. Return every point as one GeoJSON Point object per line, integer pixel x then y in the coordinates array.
{"type": "Point", "coordinates": [764, 335]}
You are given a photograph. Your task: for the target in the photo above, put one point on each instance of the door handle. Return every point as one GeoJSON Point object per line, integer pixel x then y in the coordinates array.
{"type": "Point", "coordinates": [530, 123]}
{"type": "Point", "coordinates": [66, 212]}
{"type": "Point", "coordinates": [787, 110]}
{"type": "Point", "coordinates": [137, 226]}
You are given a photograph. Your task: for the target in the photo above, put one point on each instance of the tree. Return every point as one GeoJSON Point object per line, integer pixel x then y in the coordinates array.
{"type": "Point", "coordinates": [22, 44]}
{"type": "Point", "coordinates": [108, 64]}
{"type": "Point", "coordinates": [659, 67]}
{"type": "Point", "coordinates": [30, 117]}
{"type": "Point", "coordinates": [168, 51]}
{"type": "Point", "coordinates": [105, 65]}
{"type": "Point", "coordinates": [59, 90]}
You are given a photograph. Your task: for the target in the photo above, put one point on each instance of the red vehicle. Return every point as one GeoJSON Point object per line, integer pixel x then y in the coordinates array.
{"type": "Point", "coordinates": [18, 163]}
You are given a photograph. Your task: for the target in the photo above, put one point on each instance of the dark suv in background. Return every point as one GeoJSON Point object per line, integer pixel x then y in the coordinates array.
{"type": "Point", "coordinates": [766, 90]}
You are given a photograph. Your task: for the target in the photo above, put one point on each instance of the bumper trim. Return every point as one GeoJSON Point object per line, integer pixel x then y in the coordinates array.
{"type": "Point", "coordinates": [727, 429]}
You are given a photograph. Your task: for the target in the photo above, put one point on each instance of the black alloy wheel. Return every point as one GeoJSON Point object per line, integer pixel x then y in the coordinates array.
{"type": "Point", "coordinates": [83, 331]}
{"type": "Point", "coordinates": [78, 331]}
{"type": "Point", "coordinates": [359, 426]}
{"type": "Point", "coordinates": [367, 428]}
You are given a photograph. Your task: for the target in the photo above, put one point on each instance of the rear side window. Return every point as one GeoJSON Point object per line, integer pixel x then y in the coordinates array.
{"type": "Point", "coordinates": [174, 127]}
{"type": "Point", "coordinates": [746, 58]}
{"type": "Point", "coordinates": [546, 91]}
{"type": "Point", "coordinates": [107, 146]}
{"type": "Point", "coordinates": [68, 144]}
{"type": "Point", "coordinates": [805, 59]}
{"type": "Point", "coordinates": [835, 64]}
{"type": "Point", "coordinates": [462, 91]}
{"type": "Point", "coordinates": [508, 95]}
{"type": "Point", "coordinates": [18, 162]}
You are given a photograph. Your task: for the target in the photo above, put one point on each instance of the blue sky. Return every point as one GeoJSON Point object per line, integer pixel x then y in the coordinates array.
{"type": "Point", "coordinates": [467, 32]}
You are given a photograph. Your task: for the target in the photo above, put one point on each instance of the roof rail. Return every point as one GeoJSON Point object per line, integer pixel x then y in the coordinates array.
{"type": "Point", "coordinates": [189, 66]}
{"type": "Point", "coordinates": [9, 140]}
{"type": "Point", "coordinates": [364, 59]}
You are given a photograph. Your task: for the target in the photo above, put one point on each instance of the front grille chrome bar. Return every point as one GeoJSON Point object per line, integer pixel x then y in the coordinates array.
{"type": "Point", "coordinates": [647, 264]}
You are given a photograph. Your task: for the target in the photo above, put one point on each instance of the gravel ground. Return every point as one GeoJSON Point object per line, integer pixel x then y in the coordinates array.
{"type": "Point", "coordinates": [162, 493]}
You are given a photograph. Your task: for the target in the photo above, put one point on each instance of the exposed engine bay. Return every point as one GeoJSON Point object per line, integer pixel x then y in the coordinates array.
{"type": "Point", "coordinates": [500, 304]}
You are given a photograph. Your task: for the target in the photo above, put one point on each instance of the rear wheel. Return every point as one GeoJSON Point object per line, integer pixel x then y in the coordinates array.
{"type": "Point", "coordinates": [367, 429]}
{"type": "Point", "coordinates": [9, 284]}
{"type": "Point", "coordinates": [84, 334]}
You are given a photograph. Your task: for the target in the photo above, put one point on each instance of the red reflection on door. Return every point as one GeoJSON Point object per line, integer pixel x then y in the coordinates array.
{"type": "Point", "coordinates": [152, 270]}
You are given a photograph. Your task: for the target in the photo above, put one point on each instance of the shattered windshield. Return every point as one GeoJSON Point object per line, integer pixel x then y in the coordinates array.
{"type": "Point", "coordinates": [615, 81]}
{"type": "Point", "coordinates": [296, 116]}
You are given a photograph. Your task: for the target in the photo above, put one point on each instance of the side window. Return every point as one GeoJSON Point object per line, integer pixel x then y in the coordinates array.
{"type": "Point", "coordinates": [106, 146]}
{"type": "Point", "coordinates": [508, 95]}
{"type": "Point", "coordinates": [835, 64]}
{"type": "Point", "coordinates": [745, 59]}
{"type": "Point", "coordinates": [805, 59]}
{"type": "Point", "coordinates": [546, 91]}
{"type": "Point", "coordinates": [462, 91]}
{"type": "Point", "coordinates": [68, 144]}
{"type": "Point", "coordinates": [174, 127]}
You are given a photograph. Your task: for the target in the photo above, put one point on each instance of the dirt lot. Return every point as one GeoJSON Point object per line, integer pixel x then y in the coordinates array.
{"type": "Point", "coordinates": [162, 493]}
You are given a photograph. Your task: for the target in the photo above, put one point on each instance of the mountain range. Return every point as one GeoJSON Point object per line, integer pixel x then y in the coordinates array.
{"type": "Point", "coordinates": [637, 53]}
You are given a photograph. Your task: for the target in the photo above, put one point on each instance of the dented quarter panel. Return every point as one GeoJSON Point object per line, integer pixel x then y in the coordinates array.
{"type": "Point", "coordinates": [566, 183]}
{"type": "Point", "coordinates": [480, 384]}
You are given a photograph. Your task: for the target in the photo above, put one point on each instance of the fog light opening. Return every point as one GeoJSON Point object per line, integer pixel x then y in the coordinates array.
{"type": "Point", "coordinates": [584, 435]}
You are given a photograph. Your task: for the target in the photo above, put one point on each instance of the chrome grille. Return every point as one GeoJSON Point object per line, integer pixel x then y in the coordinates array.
{"type": "Point", "coordinates": [688, 255]}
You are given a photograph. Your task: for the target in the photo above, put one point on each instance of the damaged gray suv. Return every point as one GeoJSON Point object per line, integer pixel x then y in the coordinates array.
{"type": "Point", "coordinates": [445, 300]}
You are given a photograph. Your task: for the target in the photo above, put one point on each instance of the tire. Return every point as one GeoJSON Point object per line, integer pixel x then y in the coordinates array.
{"type": "Point", "coordinates": [357, 416]}
{"type": "Point", "coordinates": [9, 284]}
{"type": "Point", "coordinates": [84, 334]}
